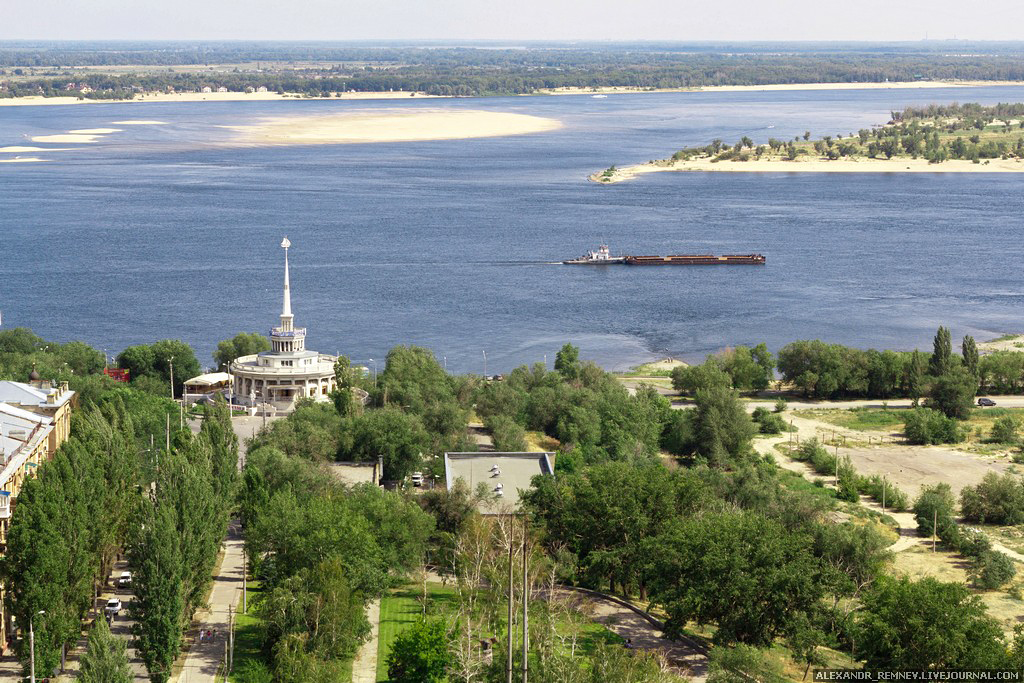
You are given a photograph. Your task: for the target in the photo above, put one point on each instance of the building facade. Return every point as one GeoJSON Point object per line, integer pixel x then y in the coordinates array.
{"type": "Point", "coordinates": [35, 419]}
{"type": "Point", "coordinates": [274, 380]}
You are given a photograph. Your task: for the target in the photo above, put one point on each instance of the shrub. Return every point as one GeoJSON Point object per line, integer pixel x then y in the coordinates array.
{"type": "Point", "coordinates": [1005, 428]}
{"type": "Point", "coordinates": [421, 653]}
{"type": "Point", "coordinates": [813, 453]}
{"type": "Point", "coordinates": [873, 487]}
{"type": "Point", "coordinates": [992, 570]}
{"type": "Point", "coordinates": [936, 504]}
{"type": "Point", "coordinates": [767, 422]}
{"type": "Point", "coordinates": [996, 500]}
{"type": "Point", "coordinates": [926, 426]}
{"type": "Point", "coordinates": [974, 543]}
{"type": "Point", "coordinates": [507, 435]}
{"type": "Point", "coordinates": [781, 405]}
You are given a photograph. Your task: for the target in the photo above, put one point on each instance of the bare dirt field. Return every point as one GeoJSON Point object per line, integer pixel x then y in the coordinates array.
{"type": "Point", "coordinates": [911, 467]}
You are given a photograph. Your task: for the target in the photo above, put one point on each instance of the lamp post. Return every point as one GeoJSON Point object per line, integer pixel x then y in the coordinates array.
{"type": "Point", "coordinates": [32, 646]}
{"type": "Point", "coordinates": [374, 370]}
{"type": "Point", "coordinates": [171, 362]}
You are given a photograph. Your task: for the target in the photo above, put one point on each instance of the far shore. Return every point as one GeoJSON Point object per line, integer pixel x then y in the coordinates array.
{"type": "Point", "coordinates": [815, 165]}
{"type": "Point", "coordinates": [888, 85]}
{"type": "Point", "coordinates": [38, 100]}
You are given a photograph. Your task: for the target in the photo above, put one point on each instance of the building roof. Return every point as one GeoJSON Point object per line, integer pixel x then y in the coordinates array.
{"type": "Point", "coordinates": [512, 471]}
{"type": "Point", "coordinates": [20, 434]}
{"type": "Point", "coordinates": [209, 379]}
{"type": "Point", "coordinates": [23, 394]}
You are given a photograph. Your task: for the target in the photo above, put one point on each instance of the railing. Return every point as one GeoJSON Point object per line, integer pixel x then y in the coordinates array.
{"type": "Point", "coordinates": [5, 505]}
{"type": "Point", "coordinates": [279, 332]}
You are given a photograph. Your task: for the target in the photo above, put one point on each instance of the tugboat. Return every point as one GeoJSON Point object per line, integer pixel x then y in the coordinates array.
{"type": "Point", "coordinates": [601, 257]}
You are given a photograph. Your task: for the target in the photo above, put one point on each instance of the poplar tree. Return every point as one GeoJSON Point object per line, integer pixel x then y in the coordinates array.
{"type": "Point", "coordinates": [941, 361]}
{"type": "Point", "coordinates": [105, 659]}
{"type": "Point", "coordinates": [969, 349]}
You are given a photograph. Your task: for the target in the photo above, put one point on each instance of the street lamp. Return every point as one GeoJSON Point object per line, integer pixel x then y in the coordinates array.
{"type": "Point", "coordinates": [374, 370]}
{"type": "Point", "coordinates": [32, 646]}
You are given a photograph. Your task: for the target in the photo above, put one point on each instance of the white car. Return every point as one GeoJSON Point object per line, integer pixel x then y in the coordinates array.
{"type": "Point", "coordinates": [113, 607]}
{"type": "Point", "coordinates": [125, 580]}
{"type": "Point", "coordinates": [417, 479]}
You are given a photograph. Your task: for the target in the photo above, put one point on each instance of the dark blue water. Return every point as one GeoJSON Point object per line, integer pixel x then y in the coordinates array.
{"type": "Point", "coordinates": [158, 232]}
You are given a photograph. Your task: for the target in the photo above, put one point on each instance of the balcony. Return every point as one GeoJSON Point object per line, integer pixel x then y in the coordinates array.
{"type": "Point", "coordinates": [280, 332]}
{"type": "Point", "coordinates": [5, 504]}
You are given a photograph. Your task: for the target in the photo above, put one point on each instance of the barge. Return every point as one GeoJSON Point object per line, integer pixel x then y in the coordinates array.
{"type": "Point", "coordinates": [696, 260]}
{"type": "Point", "coordinates": [603, 257]}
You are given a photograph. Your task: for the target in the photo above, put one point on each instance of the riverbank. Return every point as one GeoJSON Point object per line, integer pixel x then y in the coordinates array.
{"type": "Point", "coordinates": [389, 125]}
{"type": "Point", "coordinates": [39, 100]}
{"type": "Point", "coordinates": [894, 85]}
{"type": "Point", "coordinates": [811, 165]}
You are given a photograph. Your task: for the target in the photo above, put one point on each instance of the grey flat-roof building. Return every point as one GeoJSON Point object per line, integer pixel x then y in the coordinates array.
{"type": "Point", "coordinates": [505, 474]}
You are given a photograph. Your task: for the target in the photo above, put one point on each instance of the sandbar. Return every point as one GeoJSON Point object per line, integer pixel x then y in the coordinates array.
{"type": "Point", "coordinates": [95, 131]}
{"type": "Point", "coordinates": [815, 165]}
{"type": "Point", "coordinates": [35, 100]}
{"type": "Point", "coordinates": [389, 125]}
{"type": "Point", "coordinates": [16, 148]}
{"type": "Point", "coordinates": [68, 137]}
{"type": "Point", "coordinates": [21, 160]}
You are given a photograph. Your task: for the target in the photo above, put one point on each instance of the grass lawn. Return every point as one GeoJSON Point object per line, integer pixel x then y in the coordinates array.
{"type": "Point", "coordinates": [862, 419]}
{"type": "Point", "coordinates": [399, 610]}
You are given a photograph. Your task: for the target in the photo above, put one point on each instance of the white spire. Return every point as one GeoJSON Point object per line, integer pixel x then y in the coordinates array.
{"type": "Point", "coordinates": [286, 309]}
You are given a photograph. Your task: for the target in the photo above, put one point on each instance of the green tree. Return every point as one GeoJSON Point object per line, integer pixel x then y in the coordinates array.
{"type": "Point", "coordinates": [935, 507]}
{"type": "Point", "coordinates": [741, 664]}
{"type": "Point", "coordinates": [722, 429]}
{"type": "Point", "coordinates": [105, 659]}
{"type": "Point", "coordinates": [995, 500]}
{"type": "Point", "coordinates": [969, 349]}
{"type": "Point", "coordinates": [242, 344]}
{"type": "Point", "coordinates": [693, 378]}
{"type": "Point", "coordinates": [739, 570]}
{"type": "Point", "coordinates": [421, 654]}
{"type": "Point", "coordinates": [991, 570]}
{"type": "Point", "coordinates": [508, 435]}
{"type": "Point", "coordinates": [157, 584]}
{"type": "Point", "coordinates": [927, 426]}
{"type": "Point", "coordinates": [913, 380]}
{"type": "Point", "coordinates": [927, 624]}
{"type": "Point", "coordinates": [398, 437]}
{"type": "Point", "coordinates": [567, 361]}
{"type": "Point", "coordinates": [953, 392]}
{"type": "Point", "coordinates": [941, 361]}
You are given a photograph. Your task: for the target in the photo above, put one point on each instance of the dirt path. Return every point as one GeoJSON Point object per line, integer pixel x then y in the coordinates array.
{"type": "Point", "coordinates": [642, 635]}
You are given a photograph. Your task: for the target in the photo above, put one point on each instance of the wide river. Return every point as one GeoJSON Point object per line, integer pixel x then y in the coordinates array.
{"type": "Point", "coordinates": [158, 232]}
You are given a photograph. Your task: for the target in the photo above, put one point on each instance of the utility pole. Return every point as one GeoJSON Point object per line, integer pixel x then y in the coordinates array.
{"type": "Point", "coordinates": [171, 361]}
{"type": "Point", "coordinates": [231, 638]}
{"type": "Point", "coordinates": [485, 364]}
{"type": "Point", "coordinates": [935, 527]}
{"type": "Point", "coordinates": [167, 432]}
{"type": "Point", "coordinates": [526, 606]}
{"type": "Point", "coordinates": [245, 575]}
{"type": "Point", "coordinates": [511, 587]}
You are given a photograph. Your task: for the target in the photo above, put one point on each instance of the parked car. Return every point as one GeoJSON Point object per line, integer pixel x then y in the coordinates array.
{"type": "Point", "coordinates": [113, 608]}
{"type": "Point", "coordinates": [986, 402]}
{"type": "Point", "coordinates": [125, 580]}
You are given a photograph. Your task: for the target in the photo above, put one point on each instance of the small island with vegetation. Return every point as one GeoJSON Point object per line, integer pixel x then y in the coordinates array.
{"type": "Point", "coordinates": [955, 137]}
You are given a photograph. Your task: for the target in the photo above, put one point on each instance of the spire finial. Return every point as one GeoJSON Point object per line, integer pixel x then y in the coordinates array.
{"type": "Point", "coordinates": [286, 310]}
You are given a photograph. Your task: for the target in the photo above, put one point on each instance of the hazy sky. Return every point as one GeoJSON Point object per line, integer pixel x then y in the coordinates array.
{"type": "Point", "coordinates": [512, 19]}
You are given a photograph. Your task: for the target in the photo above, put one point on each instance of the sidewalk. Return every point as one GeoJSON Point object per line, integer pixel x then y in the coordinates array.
{"type": "Point", "coordinates": [364, 668]}
{"type": "Point", "coordinates": [204, 658]}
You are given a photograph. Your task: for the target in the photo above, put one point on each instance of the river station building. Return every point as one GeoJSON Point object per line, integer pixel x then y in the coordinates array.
{"type": "Point", "coordinates": [272, 381]}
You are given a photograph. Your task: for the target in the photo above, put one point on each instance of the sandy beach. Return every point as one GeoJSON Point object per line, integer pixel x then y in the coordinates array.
{"type": "Point", "coordinates": [389, 125]}
{"type": "Point", "coordinates": [395, 95]}
{"type": "Point", "coordinates": [814, 165]}
{"type": "Point", "coordinates": [895, 85]}
{"type": "Point", "coordinates": [39, 100]}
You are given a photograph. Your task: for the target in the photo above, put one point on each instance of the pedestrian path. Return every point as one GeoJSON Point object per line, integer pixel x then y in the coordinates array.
{"type": "Point", "coordinates": [364, 668]}
{"type": "Point", "coordinates": [206, 654]}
